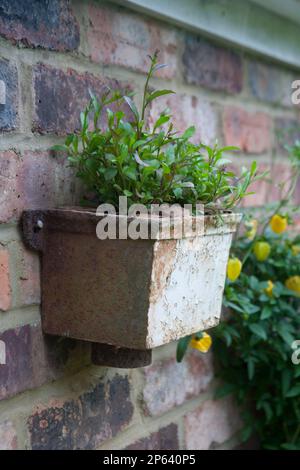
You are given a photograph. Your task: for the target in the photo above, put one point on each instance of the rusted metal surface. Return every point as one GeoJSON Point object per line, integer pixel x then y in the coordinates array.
{"type": "Point", "coordinates": [135, 294]}
{"type": "Point", "coordinates": [125, 358]}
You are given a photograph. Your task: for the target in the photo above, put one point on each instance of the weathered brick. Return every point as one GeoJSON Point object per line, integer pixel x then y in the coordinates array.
{"type": "Point", "coordinates": [8, 436]}
{"type": "Point", "coordinates": [9, 110]}
{"type": "Point", "coordinates": [164, 439]}
{"type": "Point", "coordinates": [260, 189]}
{"type": "Point", "coordinates": [212, 423]}
{"type": "Point", "coordinates": [188, 111]}
{"type": "Point", "coordinates": [211, 66]}
{"type": "Point", "coordinates": [34, 180]}
{"type": "Point", "coordinates": [10, 202]}
{"type": "Point", "coordinates": [5, 288]}
{"type": "Point", "coordinates": [118, 37]}
{"type": "Point", "coordinates": [268, 189]}
{"type": "Point", "coordinates": [39, 23]}
{"type": "Point", "coordinates": [286, 131]}
{"type": "Point", "coordinates": [169, 384]}
{"type": "Point", "coordinates": [45, 180]}
{"type": "Point", "coordinates": [269, 83]}
{"type": "Point", "coordinates": [84, 422]}
{"type": "Point", "coordinates": [33, 359]}
{"type": "Point", "coordinates": [251, 132]}
{"type": "Point", "coordinates": [61, 96]}
{"type": "Point", "coordinates": [28, 272]}
{"type": "Point", "coordinates": [280, 176]}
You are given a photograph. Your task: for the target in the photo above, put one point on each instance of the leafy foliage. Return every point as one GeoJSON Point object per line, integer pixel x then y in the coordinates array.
{"type": "Point", "coordinates": [149, 165]}
{"type": "Point", "coordinates": [254, 346]}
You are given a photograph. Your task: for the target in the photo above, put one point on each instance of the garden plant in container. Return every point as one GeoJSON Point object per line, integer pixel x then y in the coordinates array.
{"type": "Point", "coordinates": [148, 287]}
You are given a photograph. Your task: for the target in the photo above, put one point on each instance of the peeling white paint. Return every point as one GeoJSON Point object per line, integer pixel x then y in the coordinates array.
{"type": "Point", "coordinates": [190, 299]}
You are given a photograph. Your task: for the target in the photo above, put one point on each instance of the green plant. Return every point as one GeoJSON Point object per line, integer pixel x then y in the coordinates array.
{"type": "Point", "coordinates": [253, 347]}
{"type": "Point", "coordinates": [253, 344]}
{"type": "Point", "coordinates": [149, 165]}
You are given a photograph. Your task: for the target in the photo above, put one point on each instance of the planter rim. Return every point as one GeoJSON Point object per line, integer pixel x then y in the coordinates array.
{"type": "Point", "coordinates": [85, 220]}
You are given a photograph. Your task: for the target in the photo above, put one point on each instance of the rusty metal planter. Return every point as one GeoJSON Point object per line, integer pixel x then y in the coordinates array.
{"type": "Point", "coordinates": [132, 294]}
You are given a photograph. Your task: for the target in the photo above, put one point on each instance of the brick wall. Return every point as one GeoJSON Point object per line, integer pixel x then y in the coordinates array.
{"type": "Point", "coordinates": [51, 397]}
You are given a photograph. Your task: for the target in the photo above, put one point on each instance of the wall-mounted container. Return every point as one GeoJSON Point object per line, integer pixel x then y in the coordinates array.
{"type": "Point", "coordinates": [128, 294]}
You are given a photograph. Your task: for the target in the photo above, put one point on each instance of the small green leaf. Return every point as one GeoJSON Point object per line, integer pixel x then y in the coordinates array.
{"type": "Point", "coordinates": [266, 313]}
{"type": "Point", "coordinates": [59, 148]}
{"type": "Point", "coordinates": [258, 330]}
{"type": "Point", "coordinates": [182, 347]}
{"type": "Point", "coordinates": [156, 94]}
{"type": "Point", "coordinates": [132, 106]}
{"type": "Point", "coordinates": [110, 173]}
{"type": "Point", "coordinates": [293, 392]}
{"type": "Point", "coordinates": [188, 133]}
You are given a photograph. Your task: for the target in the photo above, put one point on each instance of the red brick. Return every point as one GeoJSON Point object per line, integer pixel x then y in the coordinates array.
{"type": "Point", "coordinates": [33, 359]}
{"type": "Point", "coordinates": [280, 175]}
{"type": "Point", "coordinates": [50, 25]}
{"type": "Point", "coordinates": [34, 180]}
{"type": "Point", "coordinates": [260, 188]}
{"type": "Point", "coordinates": [251, 132]}
{"type": "Point", "coordinates": [164, 439]}
{"type": "Point", "coordinates": [211, 66]}
{"type": "Point", "coordinates": [287, 131]}
{"type": "Point", "coordinates": [10, 201]}
{"type": "Point", "coordinates": [212, 423]}
{"type": "Point", "coordinates": [9, 112]}
{"type": "Point", "coordinates": [122, 38]}
{"type": "Point", "coordinates": [169, 384]}
{"type": "Point", "coordinates": [47, 181]}
{"type": "Point", "coordinates": [270, 83]}
{"type": "Point", "coordinates": [84, 422]}
{"type": "Point", "coordinates": [61, 96]}
{"type": "Point", "coordinates": [189, 111]}
{"type": "Point", "coordinates": [8, 436]}
{"type": "Point", "coordinates": [5, 289]}
{"type": "Point", "coordinates": [29, 277]}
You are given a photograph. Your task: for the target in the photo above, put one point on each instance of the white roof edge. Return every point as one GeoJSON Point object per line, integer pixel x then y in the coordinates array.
{"type": "Point", "coordinates": [265, 27]}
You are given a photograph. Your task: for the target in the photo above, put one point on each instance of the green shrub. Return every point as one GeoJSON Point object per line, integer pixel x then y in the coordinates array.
{"type": "Point", "coordinates": [254, 346]}
{"type": "Point", "coordinates": [149, 165]}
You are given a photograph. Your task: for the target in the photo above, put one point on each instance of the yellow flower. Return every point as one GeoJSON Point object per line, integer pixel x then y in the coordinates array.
{"type": "Point", "coordinates": [202, 344]}
{"type": "Point", "coordinates": [262, 250]}
{"type": "Point", "coordinates": [293, 283]}
{"type": "Point", "coordinates": [278, 224]}
{"type": "Point", "coordinates": [234, 268]}
{"type": "Point", "coordinates": [296, 250]}
{"type": "Point", "coordinates": [269, 289]}
{"type": "Point", "coordinates": [252, 228]}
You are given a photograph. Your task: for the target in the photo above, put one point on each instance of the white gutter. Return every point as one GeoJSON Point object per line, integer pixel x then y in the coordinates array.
{"type": "Point", "coordinates": [266, 27]}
